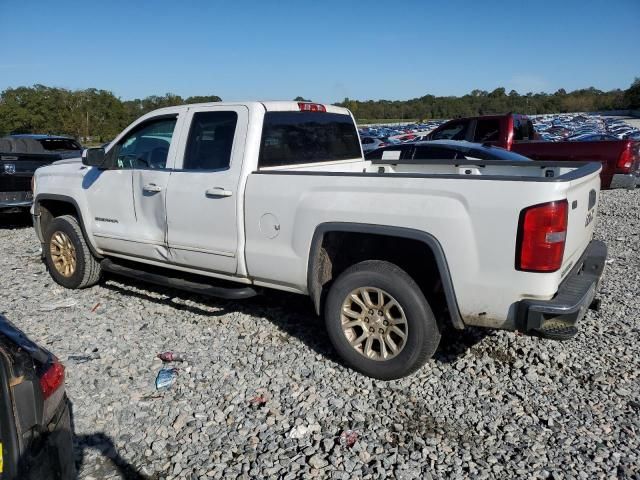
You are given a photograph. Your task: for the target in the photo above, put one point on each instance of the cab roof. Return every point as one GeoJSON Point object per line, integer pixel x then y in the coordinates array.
{"type": "Point", "coordinates": [269, 106]}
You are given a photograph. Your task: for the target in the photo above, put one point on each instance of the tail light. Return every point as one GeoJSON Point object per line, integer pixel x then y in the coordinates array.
{"type": "Point", "coordinates": [52, 387]}
{"type": "Point", "coordinates": [542, 233]}
{"type": "Point", "coordinates": [625, 160]}
{"type": "Point", "coordinates": [52, 379]}
{"type": "Point", "coordinates": [311, 107]}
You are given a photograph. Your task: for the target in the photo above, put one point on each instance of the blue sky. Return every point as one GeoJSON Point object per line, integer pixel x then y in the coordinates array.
{"type": "Point", "coordinates": [323, 50]}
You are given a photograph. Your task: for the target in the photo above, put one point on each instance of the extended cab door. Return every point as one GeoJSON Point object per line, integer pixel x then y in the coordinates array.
{"type": "Point", "coordinates": [203, 195]}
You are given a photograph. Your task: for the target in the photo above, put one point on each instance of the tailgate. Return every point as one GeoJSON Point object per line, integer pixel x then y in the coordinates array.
{"type": "Point", "coordinates": [583, 196]}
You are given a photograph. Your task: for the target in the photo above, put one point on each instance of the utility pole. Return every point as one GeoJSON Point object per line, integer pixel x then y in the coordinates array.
{"type": "Point", "coordinates": [87, 135]}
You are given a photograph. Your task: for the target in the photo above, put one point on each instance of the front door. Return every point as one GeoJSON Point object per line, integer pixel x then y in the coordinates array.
{"type": "Point", "coordinates": [203, 193]}
{"type": "Point", "coordinates": [110, 202]}
{"type": "Point", "coordinates": [143, 158]}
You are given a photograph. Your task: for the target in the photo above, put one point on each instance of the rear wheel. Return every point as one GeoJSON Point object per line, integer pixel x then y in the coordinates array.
{"type": "Point", "coordinates": [67, 255]}
{"type": "Point", "coordinates": [379, 320]}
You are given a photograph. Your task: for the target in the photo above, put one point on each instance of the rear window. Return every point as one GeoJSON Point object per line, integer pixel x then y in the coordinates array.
{"type": "Point", "coordinates": [495, 153]}
{"type": "Point", "coordinates": [487, 131]}
{"type": "Point", "coordinates": [58, 144]}
{"type": "Point", "coordinates": [307, 137]}
{"type": "Point", "coordinates": [426, 152]}
{"type": "Point", "coordinates": [452, 131]}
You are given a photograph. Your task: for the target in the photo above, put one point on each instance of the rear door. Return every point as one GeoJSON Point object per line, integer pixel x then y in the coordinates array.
{"type": "Point", "coordinates": [203, 192]}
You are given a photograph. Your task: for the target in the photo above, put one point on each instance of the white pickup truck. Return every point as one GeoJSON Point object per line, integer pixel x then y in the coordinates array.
{"type": "Point", "coordinates": [227, 199]}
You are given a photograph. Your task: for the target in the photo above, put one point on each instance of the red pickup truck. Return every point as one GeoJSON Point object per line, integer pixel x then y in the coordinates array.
{"type": "Point", "coordinates": [620, 158]}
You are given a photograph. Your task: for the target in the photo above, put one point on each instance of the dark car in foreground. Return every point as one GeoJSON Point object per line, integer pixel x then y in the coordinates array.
{"type": "Point", "coordinates": [444, 150]}
{"type": "Point", "coordinates": [20, 155]}
{"type": "Point", "coordinates": [36, 437]}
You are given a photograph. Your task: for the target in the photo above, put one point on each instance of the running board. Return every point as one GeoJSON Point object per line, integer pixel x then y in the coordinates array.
{"type": "Point", "coordinates": [172, 278]}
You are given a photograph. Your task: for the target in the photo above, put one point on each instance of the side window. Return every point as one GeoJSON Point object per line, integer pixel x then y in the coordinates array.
{"type": "Point", "coordinates": [433, 153]}
{"type": "Point", "coordinates": [517, 128]}
{"type": "Point", "coordinates": [147, 146]}
{"type": "Point", "coordinates": [529, 132]}
{"type": "Point", "coordinates": [367, 140]}
{"type": "Point", "coordinates": [453, 131]}
{"type": "Point", "coordinates": [487, 131]}
{"type": "Point", "coordinates": [210, 141]}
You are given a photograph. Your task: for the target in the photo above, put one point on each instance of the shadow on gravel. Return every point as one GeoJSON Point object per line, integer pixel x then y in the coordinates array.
{"type": "Point", "coordinates": [10, 221]}
{"type": "Point", "coordinates": [291, 313]}
{"type": "Point", "coordinates": [104, 444]}
{"type": "Point", "coordinates": [455, 343]}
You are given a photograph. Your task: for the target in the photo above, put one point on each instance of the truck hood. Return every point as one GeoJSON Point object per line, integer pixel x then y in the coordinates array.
{"type": "Point", "coordinates": [73, 159]}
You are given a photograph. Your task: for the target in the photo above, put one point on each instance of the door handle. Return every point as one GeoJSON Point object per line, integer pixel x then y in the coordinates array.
{"type": "Point", "coordinates": [218, 192]}
{"type": "Point", "coordinates": [152, 187]}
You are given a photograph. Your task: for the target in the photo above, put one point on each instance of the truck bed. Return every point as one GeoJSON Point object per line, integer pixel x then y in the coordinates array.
{"type": "Point", "coordinates": [472, 209]}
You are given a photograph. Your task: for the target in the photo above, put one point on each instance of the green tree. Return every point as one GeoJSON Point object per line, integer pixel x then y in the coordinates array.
{"type": "Point", "coordinates": [631, 97]}
{"type": "Point", "coordinates": [203, 99]}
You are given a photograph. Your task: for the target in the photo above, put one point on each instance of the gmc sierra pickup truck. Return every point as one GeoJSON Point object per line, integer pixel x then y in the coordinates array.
{"type": "Point", "coordinates": [620, 159]}
{"type": "Point", "coordinates": [228, 199]}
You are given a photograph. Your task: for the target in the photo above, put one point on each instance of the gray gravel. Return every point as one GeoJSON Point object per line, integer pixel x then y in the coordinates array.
{"type": "Point", "coordinates": [262, 395]}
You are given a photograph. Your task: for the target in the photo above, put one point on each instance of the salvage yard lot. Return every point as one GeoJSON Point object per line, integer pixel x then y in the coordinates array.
{"type": "Point", "coordinates": [262, 394]}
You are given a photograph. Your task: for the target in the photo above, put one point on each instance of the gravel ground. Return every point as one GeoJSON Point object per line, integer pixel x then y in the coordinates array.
{"type": "Point", "coordinates": [262, 395]}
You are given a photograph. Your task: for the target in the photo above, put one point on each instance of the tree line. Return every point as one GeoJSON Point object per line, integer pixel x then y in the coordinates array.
{"type": "Point", "coordinates": [92, 114]}
{"type": "Point", "coordinates": [481, 102]}
{"type": "Point", "coordinates": [98, 115]}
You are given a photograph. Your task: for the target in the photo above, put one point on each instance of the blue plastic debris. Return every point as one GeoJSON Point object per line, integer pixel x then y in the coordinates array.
{"type": "Point", "coordinates": [166, 377]}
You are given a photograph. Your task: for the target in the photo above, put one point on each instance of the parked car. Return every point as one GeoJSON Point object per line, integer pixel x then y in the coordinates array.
{"type": "Point", "coordinates": [371, 143]}
{"type": "Point", "coordinates": [620, 159]}
{"type": "Point", "coordinates": [447, 150]}
{"type": "Point", "coordinates": [277, 195]}
{"type": "Point", "coordinates": [20, 156]}
{"type": "Point", "coordinates": [35, 420]}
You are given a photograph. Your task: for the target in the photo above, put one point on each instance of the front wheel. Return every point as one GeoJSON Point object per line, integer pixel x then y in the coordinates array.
{"type": "Point", "coordinates": [68, 257]}
{"type": "Point", "coordinates": [379, 320]}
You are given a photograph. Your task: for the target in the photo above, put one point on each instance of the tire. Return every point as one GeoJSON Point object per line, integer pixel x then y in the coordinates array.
{"type": "Point", "coordinates": [370, 357]}
{"type": "Point", "coordinates": [85, 270]}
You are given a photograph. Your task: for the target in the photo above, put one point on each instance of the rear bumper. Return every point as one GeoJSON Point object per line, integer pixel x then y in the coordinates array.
{"type": "Point", "coordinates": [575, 294]}
{"type": "Point", "coordinates": [625, 180]}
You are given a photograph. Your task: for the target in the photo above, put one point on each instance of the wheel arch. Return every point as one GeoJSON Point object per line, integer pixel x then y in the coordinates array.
{"type": "Point", "coordinates": [48, 206]}
{"type": "Point", "coordinates": [319, 269]}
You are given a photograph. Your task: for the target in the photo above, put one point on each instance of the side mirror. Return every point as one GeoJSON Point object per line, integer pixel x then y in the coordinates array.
{"type": "Point", "coordinates": [93, 157]}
